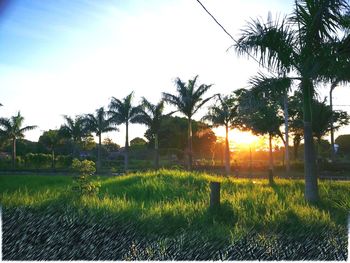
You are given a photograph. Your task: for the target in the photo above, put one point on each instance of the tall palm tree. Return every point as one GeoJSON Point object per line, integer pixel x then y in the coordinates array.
{"type": "Point", "coordinates": [152, 115]}
{"type": "Point", "coordinates": [99, 123]}
{"type": "Point", "coordinates": [283, 48]}
{"type": "Point", "coordinates": [122, 111]}
{"type": "Point", "coordinates": [188, 101]}
{"type": "Point", "coordinates": [337, 72]}
{"type": "Point", "coordinates": [224, 114]}
{"type": "Point", "coordinates": [12, 130]}
{"type": "Point", "coordinates": [74, 129]}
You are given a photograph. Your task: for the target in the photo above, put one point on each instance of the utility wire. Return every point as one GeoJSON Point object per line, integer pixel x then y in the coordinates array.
{"type": "Point", "coordinates": [234, 40]}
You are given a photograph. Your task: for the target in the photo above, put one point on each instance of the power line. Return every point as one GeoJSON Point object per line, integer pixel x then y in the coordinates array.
{"type": "Point", "coordinates": [234, 40]}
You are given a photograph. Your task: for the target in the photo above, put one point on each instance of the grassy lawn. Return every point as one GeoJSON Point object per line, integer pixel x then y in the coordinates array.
{"type": "Point", "coordinates": [165, 215]}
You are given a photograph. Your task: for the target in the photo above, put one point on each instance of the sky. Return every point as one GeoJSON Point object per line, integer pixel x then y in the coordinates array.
{"type": "Point", "coordinates": [63, 57]}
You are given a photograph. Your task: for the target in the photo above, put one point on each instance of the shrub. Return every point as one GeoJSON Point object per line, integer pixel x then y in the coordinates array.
{"type": "Point", "coordinates": [64, 161]}
{"type": "Point", "coordinates": [83, 183]}
{"type": "Point", "coordinates": [38, 160]}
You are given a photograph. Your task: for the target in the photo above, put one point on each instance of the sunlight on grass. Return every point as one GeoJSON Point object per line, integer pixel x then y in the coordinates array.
{"type": "Point", "coordinates": [170, 201]}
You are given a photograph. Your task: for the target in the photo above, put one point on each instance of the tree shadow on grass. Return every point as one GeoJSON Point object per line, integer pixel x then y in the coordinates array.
{"type": "Point", "coordinates": [155, 188]}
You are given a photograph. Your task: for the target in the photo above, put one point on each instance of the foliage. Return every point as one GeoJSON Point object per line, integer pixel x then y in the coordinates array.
{"type": "Point", "coordinates": [259, 113]}
{"type": "Point", "coordinates": [83, 182]}
{"type": "Point", "coordinates": [224, 113]}
{"type": "Point", "coordinates": [23, 147]}
{"type": "Point", "coordinates": [99, 123]}
{"type": "Point", "coordinates": [324, 115]}
{"type": "Point", "coordinates": [11, 129]}
{"type": "Point", "coordinates": [75, 130]}
{"type": "Point", "coordinates": [137, 141]}
{"type": "Point", "coordinates": [38, 160]}
{"type": "Point", "coordinates": [123, 112]}
{"type": "Point", "coordinates": [189, 98]}
{"type": "Point", "coordinates": [297, 43]}
{"type": "Point", "coordinates": [173, 135]}
{"type": "Point", "coordinates": [344, 143]}
{"type": "Point", "coordinates": [109, 145]}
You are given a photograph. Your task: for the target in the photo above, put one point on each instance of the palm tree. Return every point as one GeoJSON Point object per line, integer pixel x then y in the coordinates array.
{"type": "Point", "coordinates": [327, 120]}
{"type": "Point", "coordinates": [75, 130]}
{"type": "Point", "coordinates": [276, 89]}
{"type": "Point", "coordinates": [51, 139]}
{"type": "Point", "coordinates": [152, 115]}
{"type": "Point", "coordinates": [98, 124]}
{"type": "Point", "coordinates": [12, 130]}
{"type": "Point", "coordinates": [282, 48]}
{"type": "Point", "coordinates": [224, 114]}
{"type": "Point", "coordinates": [337, 72]}
{"type": "Point", "coordinates": [122, 111]}
{"type": "Point", "coordinates": [188, 101]}
{"type": "Point", "coordinates": [260, 114]}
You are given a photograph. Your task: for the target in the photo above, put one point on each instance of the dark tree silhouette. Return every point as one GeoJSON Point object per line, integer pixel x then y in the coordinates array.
{"type": "Point", "coordinates": [188, 100]}
{"type": "Point", "coordinates": [122, 111]}
{"type": "Point", "coordinates": [99, 123]}
{"type": "Point", "coordinates": [11, 129]}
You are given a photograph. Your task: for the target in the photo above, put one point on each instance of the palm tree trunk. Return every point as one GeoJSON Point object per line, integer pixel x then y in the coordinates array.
{"type": "Point", "coordinates": [286, 124]}
{"type": "Point", "coordinates": [189, 144]}
{"type": "Point", "coordinates": [332, 129]}
{"type": "Point", "coordinates": [126, 156]}
{"type": "Point", "coordinates": [270, 160]}
{"type": "Point", "coordinates": [14, 153]}
{"type": "Point", "coordinates": [227, 153]}
{"type": "Point", "coordinates": [156, 152]}
{"type": "Point", "coordinates": [99, 153]}
{"type": "Point", "coordinates": [311, 187]}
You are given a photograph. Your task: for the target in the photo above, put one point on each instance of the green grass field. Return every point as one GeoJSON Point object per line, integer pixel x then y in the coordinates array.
{"type": "Point", "coordinates": [165, 215]}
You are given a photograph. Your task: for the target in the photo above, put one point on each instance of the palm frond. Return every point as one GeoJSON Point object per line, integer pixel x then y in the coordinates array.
{"type": "Point", "coordinates": [272, 42]}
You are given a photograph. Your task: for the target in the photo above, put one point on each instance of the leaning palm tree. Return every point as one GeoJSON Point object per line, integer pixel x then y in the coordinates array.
{"type": "Point", "coordinates": [75, 130]}
{"type": "Point", "coordinates": [12, 130]}
{"type": "Point", "coordinates": [98, 124]}
{"type": "Point", "coordinates": [224, 114]}
{"type": "Point", "coordinates": [188, 101]}
{"type": "Point", "coordinates": [152, 115]}
{"type": "Point", "coordinates": [295, 44]}
{"type": "Point", "coordinates": [122, 111]}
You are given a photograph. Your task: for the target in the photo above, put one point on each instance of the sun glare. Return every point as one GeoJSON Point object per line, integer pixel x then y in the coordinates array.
{"type": "Point", "coordinates": [240, 139]}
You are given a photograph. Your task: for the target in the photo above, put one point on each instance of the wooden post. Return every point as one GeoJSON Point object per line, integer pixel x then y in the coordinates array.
{"type": "Point", "coordinates": [214, 194]}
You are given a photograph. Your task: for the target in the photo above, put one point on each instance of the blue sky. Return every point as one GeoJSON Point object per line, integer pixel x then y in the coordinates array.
{"type": "Point", "coordinates": [70, 57]}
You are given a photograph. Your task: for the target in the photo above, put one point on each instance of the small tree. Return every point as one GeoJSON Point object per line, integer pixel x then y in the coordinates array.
{"type": "Point", "coordinates": [51, 139]}
{"type": "Point", "coordinates": [224, 114]}
{"type": "Point", "coordinates": [261, 115]}
{"type": "Point", "coordinates": [75, 130]}
{"type": "Point", "coordinates": [83, 182]}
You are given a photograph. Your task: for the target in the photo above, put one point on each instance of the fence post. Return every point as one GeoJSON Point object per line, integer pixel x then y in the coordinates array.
{"type": "Point", "coordinates": [214, 194]}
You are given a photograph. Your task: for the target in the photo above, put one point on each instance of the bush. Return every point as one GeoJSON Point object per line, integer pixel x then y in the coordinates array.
{"type": "Point", "coordinates": [64, 161]}
{"type": "Point", "coordinates": [38, 160]}
{"type": "Point", "coordinates": [83, 182]}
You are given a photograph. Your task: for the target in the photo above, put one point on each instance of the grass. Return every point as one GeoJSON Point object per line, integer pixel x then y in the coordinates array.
{"type": "Point", "coordinates": [171, 207]}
